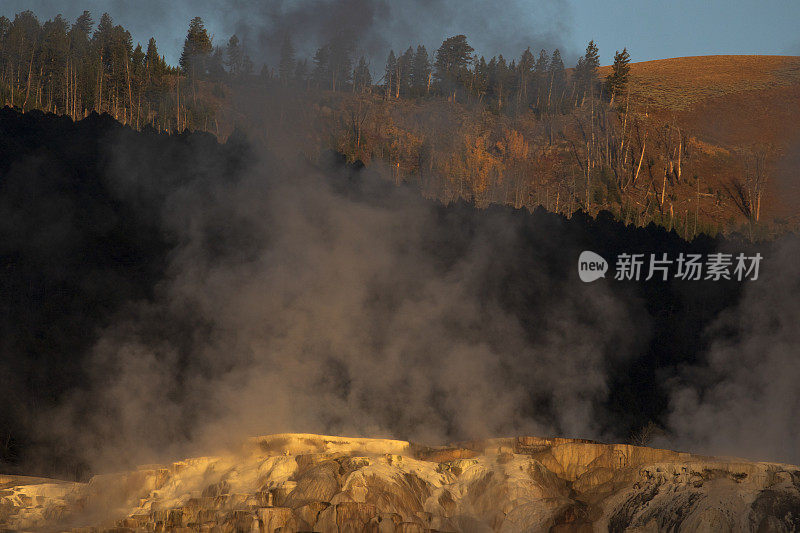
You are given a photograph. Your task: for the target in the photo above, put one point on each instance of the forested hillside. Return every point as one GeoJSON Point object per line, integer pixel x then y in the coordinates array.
{"type": "Point", "coordinates": [524, 131]}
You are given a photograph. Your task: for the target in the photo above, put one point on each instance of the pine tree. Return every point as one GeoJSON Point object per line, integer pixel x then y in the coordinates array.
{"type": "Point", "coordinates": [421, 71]}
{"type": "Point", "coordinates": [120, 94]}
{"type": "Point", "coordinates": [340, 67]}
{"type": "Point", "coordinates": [216, 64]}
{"type": "Point", "coordinates": [542, 63]}
{"type": "Point", "coordinates": [137, 60]}
{"type": "Point", "coordinates": [592, 57]}
{"type": "Point", "coordinates": [322, 60]}
{"type": "Point", "coordinates": [235, 56]}
{"type": "Point", "coordinates": [103, 44]}
{"type": "Point", "coordinates": [362, 79]}
{"type": "Point", "coordinates": [139, 80]}
{"type": "Point", "coordinates": [491, 74]}
{"type": "Point", "coordinates": [558, 77]}
{"type": "Point", "coordinates": [154, 63]}
{"type": "Point", "coordinates": [524, 75]}
{"type": "Point", "coordinates": [452, 64]}
{"type": "Point", "coordinates": [542, 79]}
{"type": "Point", "coordinates": [197, 48]}
{"type": "Point", "coordinates": [453, 57]}
{"type": "Point", "coordinates": [79, 45]}
{"type": "Point", "coordinates": [22, 39]}
{"type": "Point", "coordinates": [79, 68]}
{"type": "Point", "coordinates": [500, 81]}
{"type": "Point", "coordinates": [556, 68]}
{"type": "Point", "coordinates": [390, 74]}
{"type": "Point", "coordinates": [104, 29]}
{"type": "Point", "coordinates": [151, 56]}
{"type": "Point", "coordinates": [4, 25]}
{"type": "Point", "coordinates": [586, 69]}
{"type": "Point", "coordinates": [405, 64]}
{"type": "Point", "coordinates": [53, 55]}
{"type": "Point", "coordinates": [618, 78]}
{"type": "Point", "coordinates": [155, 68]}
{"type": "Point", "coordinates": [83, 24]}
{"type": "Point", "coordinates": [481, 83]}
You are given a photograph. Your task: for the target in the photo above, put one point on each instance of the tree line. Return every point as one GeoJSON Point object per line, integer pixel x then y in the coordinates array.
{"type": "Point", "coordinates": [74, 69]}
{"type": "Point", "coordinates": [454, 71]}
{"type": "Point", "coordinates": [571, 143]}
{"type": "Point", "coordinates": [77, 68]}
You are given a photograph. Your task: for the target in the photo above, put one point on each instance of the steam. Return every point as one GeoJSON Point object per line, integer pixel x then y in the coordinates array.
{"type": "Point", "coordinates": [291, 304]}
{"type": "Point", "coordinates": [744, 400]}
{"type": "Point", "coordinates": [308, 299]}
{"type": "Point", "coordinates": [252, 294]}
{"type": "Point", "coordinates": [379, 25]}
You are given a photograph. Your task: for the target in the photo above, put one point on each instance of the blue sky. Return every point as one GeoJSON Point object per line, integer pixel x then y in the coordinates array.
{"type": "Point", "coordinates": [651, 29]}
{"type": "Point", "coordinates": [674, 28]}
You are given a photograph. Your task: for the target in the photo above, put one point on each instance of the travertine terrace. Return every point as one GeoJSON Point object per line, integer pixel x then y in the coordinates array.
{"type": "Point", "coordinates": [303, 482]}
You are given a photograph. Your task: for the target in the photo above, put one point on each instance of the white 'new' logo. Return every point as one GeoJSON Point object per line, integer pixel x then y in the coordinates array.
{"type": "Point", "coordinates": [591, 266]}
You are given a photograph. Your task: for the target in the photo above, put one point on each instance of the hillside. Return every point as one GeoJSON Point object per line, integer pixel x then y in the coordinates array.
{"type": "Point", "coordinates": [303, 482]}
{"type": "Point", "coordinates": [682, 83]}
{"type": "Point", "coordinates": [729, 103]}
{"type": "Point", "coordinates": [694, 144]}
{"type": "Point", "coordinates": [704, 144]}
{"type": "Point", "coordinates": [697, 144]}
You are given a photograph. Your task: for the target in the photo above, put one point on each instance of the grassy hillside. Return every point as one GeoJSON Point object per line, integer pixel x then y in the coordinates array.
{"type": "Point", "coordinates": [729, 104]}
{"type": "Point", "coordinates": [679, 84]}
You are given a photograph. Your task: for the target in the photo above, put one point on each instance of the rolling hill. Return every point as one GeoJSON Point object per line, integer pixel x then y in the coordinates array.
{"type": "Point", "coordinates": [728, 103]}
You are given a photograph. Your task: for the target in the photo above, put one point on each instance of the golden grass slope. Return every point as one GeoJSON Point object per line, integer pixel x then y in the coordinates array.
{"type": "Point", "coordinates": [679, 83]}
{"type": "Point", "coordinates": [730, 104]}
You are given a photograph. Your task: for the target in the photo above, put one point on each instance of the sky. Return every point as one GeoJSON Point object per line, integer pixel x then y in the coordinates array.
{"type": "Point", "coordinates": [650, 29]}
{"type": "Point", "coordinates": [660, 29]}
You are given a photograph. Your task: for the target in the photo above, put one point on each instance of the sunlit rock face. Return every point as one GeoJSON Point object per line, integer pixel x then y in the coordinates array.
{"type": "Point", "coordinates": [301, 482]}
